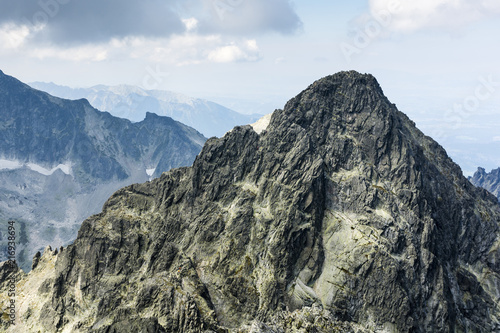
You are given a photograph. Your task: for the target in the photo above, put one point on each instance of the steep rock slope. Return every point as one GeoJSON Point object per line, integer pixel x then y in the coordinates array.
{"type": "Point", "coordinates": [61, 159]}
{"type": "Point", "coordinates": [131, 102]}
{"type": "Point", "coordinates": [340, 216]}
{"type": "Point", "coordinates": [489, 181]}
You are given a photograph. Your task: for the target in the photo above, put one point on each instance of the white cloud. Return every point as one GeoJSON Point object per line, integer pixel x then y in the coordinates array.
{"type": "Point", "coordinates": [16, 39]}
{"type": "Point", "coordinates": [248, 51]}
{"type": "Point", "coordinates": [158, 35]}
{"type": "Point", "coordinates": [409, 16]}
{"type": "Point", "coordinates": [95, 21]}
{"type": "Point", "coordinates": [251, 45]}
{"type": "Point", "coordinates": [77, 54]}
{"type": "Point", "coordinates": [190, 23]}
{"type": "Point", "coordinates": [13, 36]}
{"type": "Point", "coordinates": [247, 17]}
{"type": "Point", "coordinates": [92, 21]}
{"type": "Point", "coordinates": [228, 53]}
{"type": "Point", "coordinates": [465, 138]}
{"type": "Point", "coordinates": [496, 139]}
{"type": "Point", "coordinates": [189, 49]}
{"type": "Point", "coordinates": [178, 50]}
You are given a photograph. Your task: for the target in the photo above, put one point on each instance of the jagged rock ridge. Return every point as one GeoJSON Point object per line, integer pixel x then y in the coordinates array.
{"type": "Point", "coordinates": [61, 159]}
{"type": "Point", "coordinates": [489, 181]}
{"type": "Point", "coordinates": [341, 216]}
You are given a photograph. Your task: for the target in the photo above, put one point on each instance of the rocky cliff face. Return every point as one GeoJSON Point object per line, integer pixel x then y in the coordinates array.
{"type": "Point", "coordinates": [60, 160]}
{"type": "Point", "coordinates": [489, 181]}
{"type": "Point", "coordinates": [341, 216]}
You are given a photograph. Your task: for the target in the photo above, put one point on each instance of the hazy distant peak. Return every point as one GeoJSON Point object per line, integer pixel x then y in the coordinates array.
{"type": "Point", "coordinates": [122, 89]}
{"type": "Point", "coordinates": [489, 181]}
{"type": "Point", "coordinates": [131, 102]}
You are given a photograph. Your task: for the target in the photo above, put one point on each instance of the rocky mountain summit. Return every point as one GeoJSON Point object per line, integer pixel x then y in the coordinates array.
{"type": "Point", "coordinates": [489, 181]}
{"type": "Point", "coordinates": [340, 216]}
{"type": "Point", "coordinates": [61, 159]}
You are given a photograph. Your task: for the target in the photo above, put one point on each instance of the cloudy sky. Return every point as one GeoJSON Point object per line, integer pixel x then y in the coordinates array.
{"type": "Point", "coordinates": [438, 60]}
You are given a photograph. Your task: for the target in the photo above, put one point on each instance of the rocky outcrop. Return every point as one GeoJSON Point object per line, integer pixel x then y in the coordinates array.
{"type": "Point", "coordinates": [489, 181]}
{"type": "Point", "coordinates": [340, 216]}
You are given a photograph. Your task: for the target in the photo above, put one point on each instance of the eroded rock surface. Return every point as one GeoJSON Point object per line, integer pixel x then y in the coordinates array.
{"type": "Point", "coordinates": [340, 217]}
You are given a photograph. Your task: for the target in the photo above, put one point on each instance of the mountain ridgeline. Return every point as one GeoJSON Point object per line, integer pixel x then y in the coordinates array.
{"type": "Point", "coordinates": [340, 216]}
{"type": "Point", "coordinates": [132, 103]}
{"type": "Point", "coordinates": [489, 181]}
{"type": "Point", "coordinates": [44, 129]}
{"type": "Point", "coordinates": [61, 159]}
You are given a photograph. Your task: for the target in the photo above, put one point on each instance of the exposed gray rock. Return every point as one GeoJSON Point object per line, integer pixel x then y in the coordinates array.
{"type": "Point", "coordinates": [489, 181]}
{"type": "Point", "coordinates": [340, 217]}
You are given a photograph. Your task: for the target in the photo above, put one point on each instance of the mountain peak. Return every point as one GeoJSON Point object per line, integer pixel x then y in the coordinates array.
{"type": "Point", "coordinates": [347, 78]}
{"type": "Point", "coordinates": [343, 95]}
{"type": "Point", "coordinates": [489, 181]}
{"type": "Point", "coordinates": [340, 214]}
{"type": "Point", "coordinates": [346, 81]}
{"type": "Point", "coordinates": [151, 115]}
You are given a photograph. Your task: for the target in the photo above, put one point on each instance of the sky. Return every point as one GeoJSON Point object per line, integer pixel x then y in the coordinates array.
{"type": "Point", "coordinates": [437, 60]}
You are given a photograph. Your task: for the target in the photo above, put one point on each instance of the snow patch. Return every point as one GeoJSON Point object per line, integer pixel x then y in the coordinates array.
{"type": "Point", "coordinates": [66, 168]}
{"type": "Point", "coordinates": [13, 165]}
{"type": "Point", "coordinates": [10, 165]}
{"type": "Point", "coordinates": [150, 173]}
{"type": "Point", "coordinates": [260, 125]}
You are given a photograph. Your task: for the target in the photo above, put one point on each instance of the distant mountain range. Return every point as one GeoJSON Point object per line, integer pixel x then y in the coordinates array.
{"type": "Point", "coordinates": [61, 159]}
{"type": "Point", "coordinates": [130, 102]}
{"type": "Point", "coordinates": [489, 181]}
